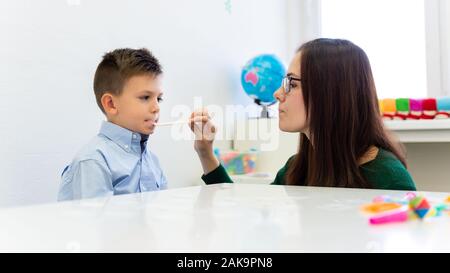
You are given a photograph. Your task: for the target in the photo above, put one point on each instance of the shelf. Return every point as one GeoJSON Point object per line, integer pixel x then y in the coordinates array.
{"type": "Point", "coordinates": [421, 131]}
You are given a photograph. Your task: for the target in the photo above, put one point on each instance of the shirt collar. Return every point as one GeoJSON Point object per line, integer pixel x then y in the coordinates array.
{"type": "Point", "coordinates": [126, 139]}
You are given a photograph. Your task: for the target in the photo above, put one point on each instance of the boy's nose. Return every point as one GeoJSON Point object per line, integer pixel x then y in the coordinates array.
{"type": "Point", "coordinates": [155, 108]}
{"type": "Point", "coordinates": [279, 94]}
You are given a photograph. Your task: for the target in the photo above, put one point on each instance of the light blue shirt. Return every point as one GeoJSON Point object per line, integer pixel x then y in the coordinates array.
{"type": "Point", "coordinates": [112, 163]}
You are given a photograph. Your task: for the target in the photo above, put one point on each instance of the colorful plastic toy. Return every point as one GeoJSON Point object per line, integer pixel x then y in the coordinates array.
{"type": "Point", "coordinates": [443, 106]}
{"type": "Point", "coordinates": [236, 162]}
{"type": "Point", "coordinates": [414, 109]}
{"type": "Point", "coordinates": [415, 106]}
{"type": "Point", "coordinates": [420, 206]}
{"type": "Point", "coordinates": [388, 209]}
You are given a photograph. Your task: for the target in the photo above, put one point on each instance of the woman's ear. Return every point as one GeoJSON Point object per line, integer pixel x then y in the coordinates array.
{"type": "Point", "coordinates": [109, 104]}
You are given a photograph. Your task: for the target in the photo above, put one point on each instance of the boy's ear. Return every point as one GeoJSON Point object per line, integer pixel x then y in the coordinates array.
{"type": "Point", "coordinates": [108, 104]}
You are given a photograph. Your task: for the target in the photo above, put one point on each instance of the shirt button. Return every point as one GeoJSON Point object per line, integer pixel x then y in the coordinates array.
{"type": "Point", "coordinates": [126, 146]}
{"type": "Point", "coordinates": [134, 136]}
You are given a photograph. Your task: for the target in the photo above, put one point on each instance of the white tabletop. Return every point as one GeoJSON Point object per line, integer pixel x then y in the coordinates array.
{"type": "Point", "coordinates": [221, 218]}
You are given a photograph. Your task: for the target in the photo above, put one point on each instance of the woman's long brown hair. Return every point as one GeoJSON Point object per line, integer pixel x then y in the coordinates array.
{"type": "Point", "coordinates": [342, 113]}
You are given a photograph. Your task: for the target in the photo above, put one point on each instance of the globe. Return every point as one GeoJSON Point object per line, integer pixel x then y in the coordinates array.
{"type": "Point", "coordinates": [261, 77]}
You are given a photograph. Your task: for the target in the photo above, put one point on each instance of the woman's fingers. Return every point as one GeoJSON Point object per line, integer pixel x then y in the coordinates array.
{"type": "Point", "coordinates": [199, 116]}
{"type": "Point", "coordinates": [197, 121]}
{"type": "Point", "coordinates": [201, 125]}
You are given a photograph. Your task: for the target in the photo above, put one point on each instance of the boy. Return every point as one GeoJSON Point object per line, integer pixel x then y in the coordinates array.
{"type": "Point", "coordinates": [127, 87]}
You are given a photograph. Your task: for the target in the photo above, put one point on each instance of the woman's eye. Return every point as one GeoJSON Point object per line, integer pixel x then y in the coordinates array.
{"type": "Point", "coordinates": [293, 85]}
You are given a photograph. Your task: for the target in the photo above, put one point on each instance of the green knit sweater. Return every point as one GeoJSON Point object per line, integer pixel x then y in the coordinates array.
{"type": "Point", "coordinates": [384, 172]}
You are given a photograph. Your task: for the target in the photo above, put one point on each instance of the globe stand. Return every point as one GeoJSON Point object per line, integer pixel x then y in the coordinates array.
{"type": "Point", "coordinates": [265, 109]}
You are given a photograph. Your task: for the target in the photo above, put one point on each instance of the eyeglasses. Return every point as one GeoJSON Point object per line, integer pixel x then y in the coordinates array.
{"type": "Point", "coordinates": [287, 83]}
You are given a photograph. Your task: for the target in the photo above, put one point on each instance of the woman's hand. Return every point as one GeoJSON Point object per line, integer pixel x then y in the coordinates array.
{"type": "Point", "coordinates": [204, 131]}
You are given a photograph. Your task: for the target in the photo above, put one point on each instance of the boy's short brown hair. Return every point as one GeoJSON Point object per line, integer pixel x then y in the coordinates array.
{"type": "Point", "coordinates": [118, 66]}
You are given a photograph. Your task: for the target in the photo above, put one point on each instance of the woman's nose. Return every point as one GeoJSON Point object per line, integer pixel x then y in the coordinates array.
{"type": "Point", "coordinates": [279, 94]}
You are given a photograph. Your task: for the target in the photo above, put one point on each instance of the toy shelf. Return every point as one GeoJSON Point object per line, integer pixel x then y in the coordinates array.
{"type": "Point", "coordinates": [421, 131]}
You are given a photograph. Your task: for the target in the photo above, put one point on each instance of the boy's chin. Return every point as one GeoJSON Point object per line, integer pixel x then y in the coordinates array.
{"type": "Point", "coordinates": [145, 131]}
{"type": "Point", "coordinates": [148, 131]}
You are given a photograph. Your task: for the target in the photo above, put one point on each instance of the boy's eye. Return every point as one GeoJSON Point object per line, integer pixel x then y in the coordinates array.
{"type": "Point", "coordinates": [160, 99]}
{"type": "Point", "coordinates": [144, 97]}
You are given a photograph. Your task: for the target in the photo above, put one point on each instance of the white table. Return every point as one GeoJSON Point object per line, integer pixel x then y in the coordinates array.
{"type": "Point", "coordinates": [220, 218]}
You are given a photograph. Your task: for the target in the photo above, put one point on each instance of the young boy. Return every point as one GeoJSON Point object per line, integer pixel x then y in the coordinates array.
{"type": "Point", "coordinates": [117, 161]}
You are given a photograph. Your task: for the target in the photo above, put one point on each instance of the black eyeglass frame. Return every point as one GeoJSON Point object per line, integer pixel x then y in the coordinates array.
{"type": "Point", "coordinates": [287, 82]}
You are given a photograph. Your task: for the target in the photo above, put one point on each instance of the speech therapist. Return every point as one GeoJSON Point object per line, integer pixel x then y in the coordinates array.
{"type": "Point", "coordinates": [329, 98]}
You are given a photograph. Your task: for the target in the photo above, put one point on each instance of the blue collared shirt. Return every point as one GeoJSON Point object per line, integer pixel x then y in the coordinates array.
{"type": "Point", "coordinates": [112, 163]}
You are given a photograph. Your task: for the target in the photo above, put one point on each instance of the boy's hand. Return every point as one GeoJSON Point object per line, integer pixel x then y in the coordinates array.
{"type": "Point", "coordinates": [204, 131]}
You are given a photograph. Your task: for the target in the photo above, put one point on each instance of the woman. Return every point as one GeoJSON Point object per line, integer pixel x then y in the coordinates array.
{"type": "Point", "coordinates": [329, 97]}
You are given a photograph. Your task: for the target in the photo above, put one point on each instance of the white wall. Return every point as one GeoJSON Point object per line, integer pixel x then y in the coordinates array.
{"type": "Point", "coordinates": [304, 22]}
{"type": "Point", "coordinates": [444, 28]}
{"type": "Point", "coordinates": [437, 14]}
{"type": "Point", "coordinates": [49, 52]}
{"type": "Point", "coordinates": [429, 164]}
